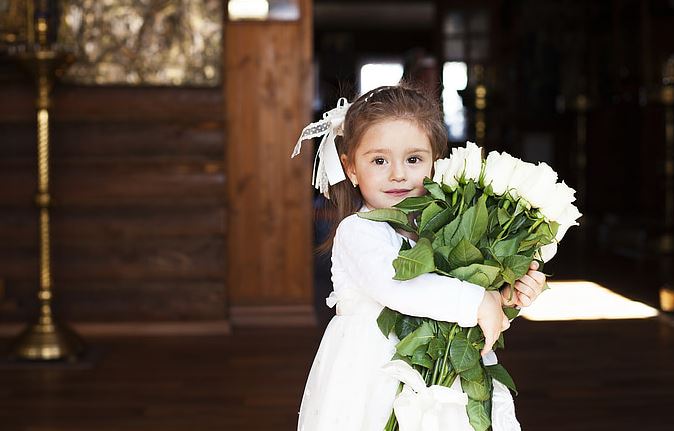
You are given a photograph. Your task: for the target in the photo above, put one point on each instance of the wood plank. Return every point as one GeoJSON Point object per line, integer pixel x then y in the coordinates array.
{"type": "Point", "coordinates": [111, 182]}
{"type": "Point", "coordinates": [122, 259]}
{"type": "Point", "coordinates": [102, 300]}
{"type": "Point", "coordinates": [116, 104]}
{"type": "Point", "coordinates": [136, 329]}
{"type": "Point", "coordinates": [18, 226]}
{"type": "Point", "coordinates": [202, 140]}
{"type": "Point", "coordinates": [268, 87]}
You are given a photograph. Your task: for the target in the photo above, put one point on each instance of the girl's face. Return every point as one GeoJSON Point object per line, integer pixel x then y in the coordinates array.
{"type": "Point", "coordinates": [390, 163]}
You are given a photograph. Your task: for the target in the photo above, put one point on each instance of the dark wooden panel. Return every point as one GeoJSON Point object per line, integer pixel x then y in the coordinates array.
{"type": "Point", "coordinates": [111, 182]}
{"type": "Point", "coordinates": [122, 259]}
{"type": "Point", "coordinates": [202, 140]}
{"type": "Point", "coordinates": [101, 300]}
{"type": "Point", "coordinates": [115, 104]}
{"type": "Point", "coordinates": [268, 85]}
{"type": "Point", "coordinates": [18, 226]}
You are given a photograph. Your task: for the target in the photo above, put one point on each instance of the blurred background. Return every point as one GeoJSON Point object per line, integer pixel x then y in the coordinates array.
{"type": "Point", "coordinates": [157, 265]}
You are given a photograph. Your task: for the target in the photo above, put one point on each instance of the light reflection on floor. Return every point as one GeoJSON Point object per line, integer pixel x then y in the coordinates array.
{"type": "Point", "coordinates": [584, 300]}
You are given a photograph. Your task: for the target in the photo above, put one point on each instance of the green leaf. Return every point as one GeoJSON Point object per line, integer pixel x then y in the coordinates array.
{"type": "Point", "coordinates": [509, 245]}
{"type": "Point", "coordinates": [477, 415]}
{"type": "Point", "coordinates": [503, 216]}
{"type": "Point", "coordinates": [480, 274]}
{"type": "Point", "coordinates": [498, 372]}
{"type": "Point", "coordinates": [387, 320]}
{"type": "Point", "coordinates": [405, 325]}
{"type": "Point", "coordinates": [419, 357]}
{"type": "Point", "coordinates": [415, 203]}
{"type": "Point", "coordinates": [474, 334]}
{"type": "Point", "coordinates": [434, 189]}
{"type": "Point", "coordinates": [415, 261]}
{"type": "Point", "coordinates": [474, 374]}
{"type": "Point", "coordinates": [511, 312]}
{"type": "Point", "coordinates": [464, 254]}
{"type": "Point", "coordinates": [451, 231]}
{"type": "Point", "coordinates": [469, 192]}
{"type": "Point", "coordinates": [434, 217]}
{"type": "Point", "coordinates": [441, 262]}
{"type": "Point", "coordinates": [462, 354]}
{"type": "Point", "coordinates": [473, 223]}
{"type": "Point", "coordinates": [436, 348]}
{"type": "Point", "coordinates": [500, 342]}
{"type": "Point", "coordinates": [475, 389]}
{"type": "Point", "coordinates": [405, 245]}
{"type": "Point", "coordinates": [420, 337]}
{"type": "Point", "coordinates": [397, 218]}
{"type": "Point", "coordinates": [445, 328]}
{"type": "Point", "coordinates": [402, 358]}
{"type": "Point", "coordinates": [518, 264]}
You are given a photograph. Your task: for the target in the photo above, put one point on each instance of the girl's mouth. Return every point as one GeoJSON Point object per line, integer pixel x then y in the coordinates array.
{"type": "Point", "coordinates": [398, 192]}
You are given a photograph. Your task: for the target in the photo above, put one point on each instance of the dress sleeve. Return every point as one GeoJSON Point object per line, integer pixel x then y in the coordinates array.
{"type": "Point", "coordinates": [367, 252]}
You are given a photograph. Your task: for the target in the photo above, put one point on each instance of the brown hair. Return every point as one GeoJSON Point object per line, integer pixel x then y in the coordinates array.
{"type": "Point", "coordinates": [402, 101]}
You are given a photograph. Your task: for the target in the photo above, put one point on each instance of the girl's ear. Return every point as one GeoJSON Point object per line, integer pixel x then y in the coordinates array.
{"type": "Point", "coordinates": [348, 169]}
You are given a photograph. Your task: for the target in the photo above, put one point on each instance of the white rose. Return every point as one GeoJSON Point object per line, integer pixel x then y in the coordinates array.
{"type": "Point", "coordinates": [568, 218]}
{"type": "Point", "coordinates": [561, 197]}
{"type": "Point", "coordinates": [473, 162]}
{"type": "Point", "coordinates": [465, 164]}
{"type": "Point", "coordinates": [539, 187]}
{"type": "Point", "coordinates": [520, 177]}
{"type": "Point", "coordinates": [498, 170]}
{"type": "Point", "coordinates": [548, 251]}
{"type": "Point", "coordinates": [440, 168]}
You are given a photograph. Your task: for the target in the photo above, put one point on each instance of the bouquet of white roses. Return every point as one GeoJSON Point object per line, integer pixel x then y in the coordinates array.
{"type": "Point", "coordinates": [482, 221]}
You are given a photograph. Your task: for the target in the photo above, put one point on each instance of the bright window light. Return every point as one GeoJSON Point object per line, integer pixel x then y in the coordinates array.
{"type": "Point", "coordinates": [247, 9]}
{"type": "Point", "coordinates": [454, 78]}
{"type": "Point", "coordinates": [584, 300]}
{"type": "Point", "coordinates": [374, 75]}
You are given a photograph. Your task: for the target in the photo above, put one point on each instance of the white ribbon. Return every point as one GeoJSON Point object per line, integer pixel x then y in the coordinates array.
{"type": "Point", "coordinates": [422, 408]}
{"type": "Point", "coordinates": [327, 166]}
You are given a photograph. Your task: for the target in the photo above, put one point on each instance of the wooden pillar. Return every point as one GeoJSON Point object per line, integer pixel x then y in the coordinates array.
{"type": "Point", "coordinates": [268, 74]}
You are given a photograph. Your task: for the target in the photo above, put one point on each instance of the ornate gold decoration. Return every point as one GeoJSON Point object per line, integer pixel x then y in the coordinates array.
{"type": "Point", "coordinates": [127, 42]}
{"type": "Point", "coordinates": [46, 339]}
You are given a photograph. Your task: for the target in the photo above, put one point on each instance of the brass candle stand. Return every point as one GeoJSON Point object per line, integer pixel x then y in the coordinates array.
{"type": "Point", "coordinates": [667, 240]}
{"type": "Point", "coordinates": [46, 339]}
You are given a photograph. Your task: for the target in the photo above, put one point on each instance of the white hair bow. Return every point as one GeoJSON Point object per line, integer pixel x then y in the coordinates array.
{"type": "Point", "coordinates": [327, 166]}
{"type": "Point", "coordinates": [422, 408]}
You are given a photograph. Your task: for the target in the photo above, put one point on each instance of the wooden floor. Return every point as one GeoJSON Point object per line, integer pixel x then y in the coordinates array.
{"type": "Point", "coordinates": [598, 375]}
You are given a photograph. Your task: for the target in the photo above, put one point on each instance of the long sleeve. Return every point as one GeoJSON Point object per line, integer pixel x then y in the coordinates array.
{"type": "Point", "coordinates": [365, 250]}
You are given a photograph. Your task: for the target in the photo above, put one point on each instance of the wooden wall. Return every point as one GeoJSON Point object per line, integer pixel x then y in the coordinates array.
{"type": "Point", "coordinates": [268, 89]}
{"type": "Point", "coordinates": [169, 204]}
{"type": "Point", "coordinates": [139, 211]}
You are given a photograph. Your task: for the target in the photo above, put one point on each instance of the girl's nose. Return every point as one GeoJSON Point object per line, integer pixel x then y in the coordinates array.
{"type": "Point", "coordinates": [397, 172]}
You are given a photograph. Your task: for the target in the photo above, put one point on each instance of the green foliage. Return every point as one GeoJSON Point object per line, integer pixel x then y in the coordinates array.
{"type": "Point", "coordinates": [415, 261]}
{"type": "Point", "coordinates": [420, 337]}
{"type": "Point", "coordinates": [387, 320]}
{"type": "Point", "coordinates": [498, 372]}
{"type": "Point", "coordinates": [397, 218]}
{"type": "Point", "coordinates": [469, 234]}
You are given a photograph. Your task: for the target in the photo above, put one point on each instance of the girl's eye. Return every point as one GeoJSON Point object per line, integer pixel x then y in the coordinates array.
{"type": "Point", "coordinates": [413, 159]}
{"type": "Point", "coordinates": [379, 161]}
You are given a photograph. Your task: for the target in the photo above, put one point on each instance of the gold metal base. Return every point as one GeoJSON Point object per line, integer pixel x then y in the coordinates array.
{"type": "Point", "coordinates": [47, 342]}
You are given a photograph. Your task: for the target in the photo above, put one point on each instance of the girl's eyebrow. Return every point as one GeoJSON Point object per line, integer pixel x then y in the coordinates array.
{"type": "Point", "coordinates": [386, 150]}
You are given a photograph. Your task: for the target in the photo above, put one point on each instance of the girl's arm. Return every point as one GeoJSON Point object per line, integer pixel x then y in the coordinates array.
{"type": "Point", "coordinates": [366, 250]}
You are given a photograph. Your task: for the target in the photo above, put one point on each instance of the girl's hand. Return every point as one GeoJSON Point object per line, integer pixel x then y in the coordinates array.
{"type": "Point", "coordinates": [491, 319]}
{"type": "Point", "coordinates": [527, 288]}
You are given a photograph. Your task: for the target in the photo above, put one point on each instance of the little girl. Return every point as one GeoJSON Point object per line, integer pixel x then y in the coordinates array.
{"type": "Point", "coordinates": [386, 143]}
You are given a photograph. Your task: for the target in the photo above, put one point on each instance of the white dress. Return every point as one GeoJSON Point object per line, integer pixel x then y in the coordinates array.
{"type": "Point", "coordinates": [347, 389]}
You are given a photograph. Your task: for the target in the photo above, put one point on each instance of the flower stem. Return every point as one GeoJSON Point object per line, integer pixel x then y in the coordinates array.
{"type": "Point", "coordinates": [444, 368]}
